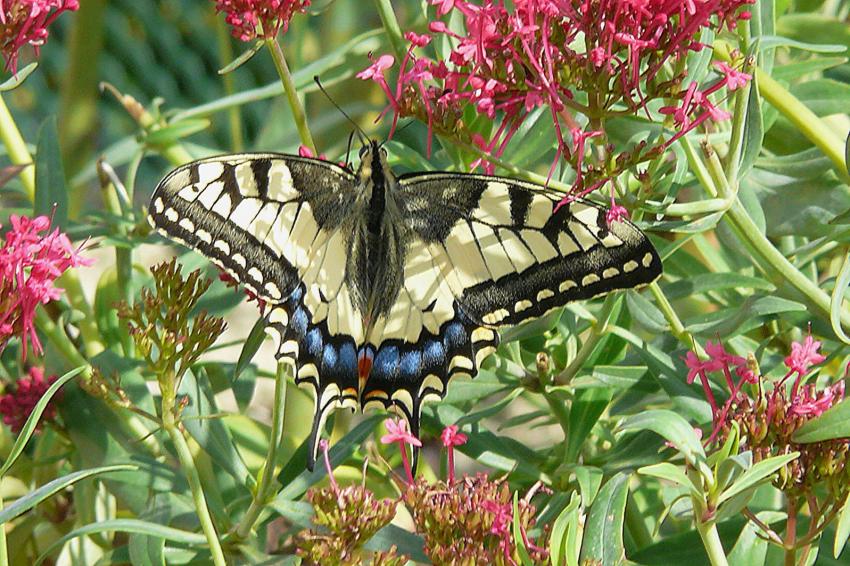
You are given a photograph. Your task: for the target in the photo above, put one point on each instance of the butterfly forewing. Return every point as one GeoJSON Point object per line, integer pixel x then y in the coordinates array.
{"type": "Point", "coordinates": [510, 253]}
{"type": "Point", "coordinates": [274, 222]}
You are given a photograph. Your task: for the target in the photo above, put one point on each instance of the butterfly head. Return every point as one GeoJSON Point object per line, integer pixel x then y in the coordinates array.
{"type": "Point", "coordinates": [373, 163]}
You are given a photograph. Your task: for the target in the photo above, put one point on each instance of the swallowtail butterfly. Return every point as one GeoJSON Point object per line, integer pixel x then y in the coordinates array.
{"type": "Point", "coordinates": [384, 288]}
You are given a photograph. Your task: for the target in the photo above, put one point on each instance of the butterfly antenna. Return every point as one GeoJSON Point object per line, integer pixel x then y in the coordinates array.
{"type": "Point", "coordinates": [348, 151]}
{"type": "Point", "coordinates": [364, 139]}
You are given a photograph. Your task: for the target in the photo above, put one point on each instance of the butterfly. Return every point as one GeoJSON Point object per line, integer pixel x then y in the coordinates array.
{"type": "Point", "coordinates": [384, 288]}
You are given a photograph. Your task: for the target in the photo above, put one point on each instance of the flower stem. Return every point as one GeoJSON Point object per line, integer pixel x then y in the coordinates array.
{"type": "Point", "coordinates": [291, 94]}
{"type": "Point", "coordinates": [4, 553]}
{"type": "Point", "coordinates": [265, 487]}
{"type": "Point", "coordinates": [17, 148]}
{"type": "Point", "coordinates": [390, 23]}
{"type": "Point", "coordinates": [780, 269]}
{"type": "Point", "coordinates": [791, 533]}
{"type": "Point", "coordinates": [597, 331]}
{"type": "Point", "coordinates": [711, 540]}
{"type": "Point", "coordinates": [187, 464]}
{"type": "Point", "coordinates": [234, 113]}
{"type": "Point", "coordinates": [406, 463]}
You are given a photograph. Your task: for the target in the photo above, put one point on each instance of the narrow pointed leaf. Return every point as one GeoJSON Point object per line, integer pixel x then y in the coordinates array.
{"type": "Point", "coordinates": [33, 498]}
{"type": "Point", "coordinates": [32, 421]}
{"type": "Point", "coordinates": [760, 472]}
{"type": "Point", "coordinates": [127, 526]}
{"type": "Point", "coordinates": [50, 187]}
{"type": "Point", "coordinates": [15, 80]}
{"type": "Point", "coordinates": [243, 58]}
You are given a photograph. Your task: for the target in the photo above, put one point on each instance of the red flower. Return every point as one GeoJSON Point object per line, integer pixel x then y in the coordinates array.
{"type": "Point", "coordinates": [451, 438]}
{"type": "Point", "coordinates": [252, 19]}
{"type": "Point", "coordinates": [398, 432]}
{"type": "Point", "coordinates": [17, 405]}
{"type": "Point", "coordinates": [25, 22]}
{"type": "Point", "coordinates": [804, 355]}
{"type": "Point", "coordinates": [506, 60]}
{"type": "Point", "coordinates": [31, 259]}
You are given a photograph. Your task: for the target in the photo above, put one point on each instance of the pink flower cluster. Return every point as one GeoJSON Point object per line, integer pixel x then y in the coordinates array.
{"type": "Point", "coordinates": [25, 22]}
{"type": "Point", "coordinates": [252, 19]}
{"type": "Point", "coordinates": [17, 405]}
{"type": "Point", "coordinates": [588, 57]}
{"type": "Point", "coordinates": [31, 259]}
{"type": "Point", "coordinates": [803, 401]}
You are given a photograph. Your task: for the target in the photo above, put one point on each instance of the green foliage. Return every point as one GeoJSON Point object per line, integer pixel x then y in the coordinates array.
{"type": "Point", "coordinates": [167, 448]}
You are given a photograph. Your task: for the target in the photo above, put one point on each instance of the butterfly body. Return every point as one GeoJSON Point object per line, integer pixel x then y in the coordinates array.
{"type": "Point", "coordinates": [383, 288]}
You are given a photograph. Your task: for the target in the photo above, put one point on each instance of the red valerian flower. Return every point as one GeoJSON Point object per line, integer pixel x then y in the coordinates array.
{"type": "Point", "coordinates": [25, 22]}
{"type": "Point", "coordinates": [17, 405]}
{"type": "Point", "coordinates": [253, 19]}
{"type": "Point", "coordinates": [31, 259]}
{"type": "Point", "coordinates": [398, 432]}
{"type": "Point", "coordinates": [507, 60]}
{"type": "Point", "coordinates": [804, 355]}
{"type": "Point", "coordinates": [451, 438]}
{"type": "Point", "coordinates": [767, 415]}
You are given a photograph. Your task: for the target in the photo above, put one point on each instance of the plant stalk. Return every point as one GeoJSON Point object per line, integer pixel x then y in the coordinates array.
{"type": "Point", "coordinates": [711, 540]}
{"type": "Point", "coordinates": [187, 464]}
{"type": "Point", "coordinates": [265, 481]}
{"type": "Point", "coordinates": [291, 94]}
{"type": "Point", "coordinates": [390, 23]}
{"type": "Point", "coordinates": [17, 149]}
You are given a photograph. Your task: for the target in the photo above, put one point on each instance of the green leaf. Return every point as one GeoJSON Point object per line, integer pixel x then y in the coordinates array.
{"type": "Point", "coordinates": [32, 421]}
{"type": "Point", "coordinates": [646, 313]}
{"type": "Point", "coordinates": [524, 558]}
{"type": "Point", "coordinates": [243, 58]}
{"type": "Point", "coordinates": [127, 526]}
{"type": "Point", "coordinates": [168, 135]}
{"type": "Point", "coordinates": [823, 96]}
{"type": "Point", "coordinates": [760, 472]}
{"type": "Point", "coordinates": [603, 530]}
{"type": "Point", "coordinates": [751, 547]}
{"type": "Point", "coordinates": [589, 479]}
{"type": "Point", "coordinates": [842, 528]}
{"type": "Point", "coordinates": [210, 432]}
{"type": "Point", "coordinates": [33, 498]}
{"type": "Point", "coordinates": [587, 407]}
{"type": "Point", "coordinates": [837, 299]}
{"type": "Point", "coordinates": [795, 69]}
{"type": "Point", "coordinates": [705, 283]}
{"type": "Point", "coordinates": [50, 187]}
{"type": "Point", "coordinates": [18, 78]}
{"type": "Point", "coordinates": [833, 423]}
{"type": "Point", "coordinates": [490, 410]}
{"type": "Point", "coordinates": [565, 540]}
{"type": "Point", "coordinates": [753, 129]}
{"type": "Point", "coordinates": [771, 41]}
{"type": "Point", "coordinates": [675, 429]}
{"type": "Point", "coordinates": [297, 479]}
{"type": "Point", "coordinates": [252, 344]}
{"type": "Point", "coordinates": [669, 472]}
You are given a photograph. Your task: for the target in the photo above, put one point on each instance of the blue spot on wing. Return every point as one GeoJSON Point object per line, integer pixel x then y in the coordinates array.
{"type": "Point", "coordinates": [411, 365]}
{"type": "Point", "coordinates": [385, 365]}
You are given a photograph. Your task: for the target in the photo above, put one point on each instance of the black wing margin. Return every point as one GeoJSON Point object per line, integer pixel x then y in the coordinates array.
{"type": "Point", "coordinates": [514, 254]}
